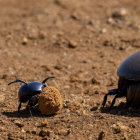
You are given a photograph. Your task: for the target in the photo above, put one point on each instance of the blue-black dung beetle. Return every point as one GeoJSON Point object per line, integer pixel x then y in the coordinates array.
{"type": "Point", "coordinates": [29, 92]}
{"type": "Point", "coordinates": [128, 83]}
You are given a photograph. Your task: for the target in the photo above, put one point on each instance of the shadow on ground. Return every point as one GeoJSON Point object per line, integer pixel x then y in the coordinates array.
{"type": "Point", "coordinates": [127, 112]}
{"type": "Point", "coordinates": [25, 114]}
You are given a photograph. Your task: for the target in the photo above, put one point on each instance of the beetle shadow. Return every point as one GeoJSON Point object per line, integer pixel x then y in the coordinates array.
{"type": "Point", "coordinates": [121, 111]}
{"type": "Point", "coordinates": [25, 114]}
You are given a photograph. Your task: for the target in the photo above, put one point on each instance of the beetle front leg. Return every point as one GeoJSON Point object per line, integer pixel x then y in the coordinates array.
{"type": "Point", "coordinates": [110, 92]}
{"type": "Point", "coordinates": [113, 101]}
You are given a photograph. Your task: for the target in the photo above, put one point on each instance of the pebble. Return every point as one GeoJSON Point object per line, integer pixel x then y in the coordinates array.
{"type": "Point", "coordinates": [73, 79]}
{"type": "Point", "coordinates": [94, 81]}
{"type": "Point", "coordinates": [44, 124]}
{"type": "Point", "coordinates": [58, 67]}
{"type": "Point", "coordinates": [118, 127]}
{"type": "Point", "coordinates": [2, 98]}
{"type": "Point", "coordinates": [23, 131]}
{"type": "Point", "coordinates": [18, 123]}
{"type": "Point", "coordinates": [132, 125]}
{"type": "Point", "coordinates": [136, 43]}
{"type": "Point", "coordinates": [110, 20]}
{"type": "Point", "coordinates": [119, 13]}
{"type": "Point", "coordinates": [32, 35]}
{"type": "Point", "coordinates": [72, 44]}
{"type": "Point", "coordinates": [24, 41]}
{"type": "Point", "coordinates": [116, 130]}
{"type": "Point", "coordinates": [44, 133]}
{"type": "Point", "coordinates": [74, 16]}
{"type": "Point", "coordinates": [64, 132]}
{"type": "Point", "coordinates": [42, 35]}
{"type": "Point", "coordinates": [104, 30]}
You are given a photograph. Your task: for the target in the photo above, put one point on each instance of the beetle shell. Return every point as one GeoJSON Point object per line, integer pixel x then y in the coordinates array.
{"type": "Point", "coordinates": [29, 90]}
{"type": "Point", "coordinates": [130, 68]}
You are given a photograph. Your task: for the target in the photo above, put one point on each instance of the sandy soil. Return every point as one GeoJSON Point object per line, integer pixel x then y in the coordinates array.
{"type": "Point", "coordinates": [81, 43]}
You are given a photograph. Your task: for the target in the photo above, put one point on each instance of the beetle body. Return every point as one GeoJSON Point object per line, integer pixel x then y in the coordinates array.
{"type": "Point", "coordinates": [29, 92]}
{"type": "Point", "coordinates": [128, 83]}
{"type": "Point", "coordinates": [30, 89]}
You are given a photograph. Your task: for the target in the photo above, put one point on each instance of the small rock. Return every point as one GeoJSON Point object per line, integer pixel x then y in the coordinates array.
{"type": "Point", "coordinates": [58, 67]}
{"type": "Point", "coordinates": [94, 81]}
{"type": "Point", "coordinates": [60, 33]}
{"type": "Point", "coordinates": [64, 132]}
{"type": "Point", "coordinates": [44, 133]}
{"type": "Point", "coordinates": [119, 13]}
{"type": "Point", "coordinates": [42, 35]}
{"type": "Point", "coordinates": [44, 124]}
{"type": "Point", "coordinates": [33, 34]}
{"type": "Point", "coordinates": [91, 22]}
{"type": "Point", "coordinates": [74, 16]}
{"type": "Point", "coordinates": [104, 30]}
{"type": "Point", "coordinates": [136, 43]}
{"type": "Point", "coordinates": [23, 131]}
{"type": "Point", "coordinates": [4, 76]}
{"type": "Point", "coordinates": [96, 92]}
{"type": "Point", "coordinates": [122, 126]}
{"type": "Point", "coordinates": [18, 123]}
{"type": "Point", "coordinates": [67, 111]}
{"type": "Point", "coordinates": [73, 79]}
{"type": "Point", "coordinates": [46, 68]}
{"type": "Point", "coordinates": [110, 20]}
{"type": "Point", "coordinates": [33, 132]}
{"type": "Point", "coordinates": [72, 44]}
{"type": "Point", "coordinates": [106, 43]}
{"type": "Point", "coordinates": [24, 41]}
{"type": "Point", "coordinates": [116, 129]}
{"type": "Point", "coordinates": [2, 98]}
{"type": "Point", "coordinates": [132, 125]}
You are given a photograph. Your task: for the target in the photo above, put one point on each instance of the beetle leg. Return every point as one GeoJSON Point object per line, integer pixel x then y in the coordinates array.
{"type": "Point", "coordinates": [19, 107]}
{"type": "Point", "coordinates": [110, 92]}
{"type": "Point", "coordinates": [29, 108]}
{"type": "Point", "coordinates": [113, 102]}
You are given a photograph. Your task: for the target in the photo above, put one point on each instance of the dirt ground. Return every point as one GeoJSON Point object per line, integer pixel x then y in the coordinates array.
{"type": "Point", "coordinates": [81, 43]}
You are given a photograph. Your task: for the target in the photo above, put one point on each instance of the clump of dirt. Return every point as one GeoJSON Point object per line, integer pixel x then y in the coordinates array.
{"type": "Point", "coordinates": [50, 101]}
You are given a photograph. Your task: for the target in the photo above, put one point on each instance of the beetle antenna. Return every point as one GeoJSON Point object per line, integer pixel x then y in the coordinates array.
{"type": "Point", "coordinates": [17, 81]}
{"type": "Point", "coordinates": [47, 79]}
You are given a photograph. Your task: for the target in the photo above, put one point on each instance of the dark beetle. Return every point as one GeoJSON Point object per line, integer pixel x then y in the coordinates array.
{"type": "Point", "coordinates": [128, 83]}
{"type": "Point", "coordinates": [29, 92]}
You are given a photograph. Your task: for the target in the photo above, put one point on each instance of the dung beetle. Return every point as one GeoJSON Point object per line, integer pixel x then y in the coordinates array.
{"type": "Point", "coordinates": [29, 92]}
{"type": "Point", "coordinates": [128, 83]}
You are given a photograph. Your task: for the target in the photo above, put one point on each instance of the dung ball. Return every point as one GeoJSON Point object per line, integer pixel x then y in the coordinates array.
{"type": "Point", "coordinates": [50, 101]}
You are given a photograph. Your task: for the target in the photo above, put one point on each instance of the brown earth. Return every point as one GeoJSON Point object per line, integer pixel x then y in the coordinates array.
{"type": "Point", "coordinates": [81, 43]}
